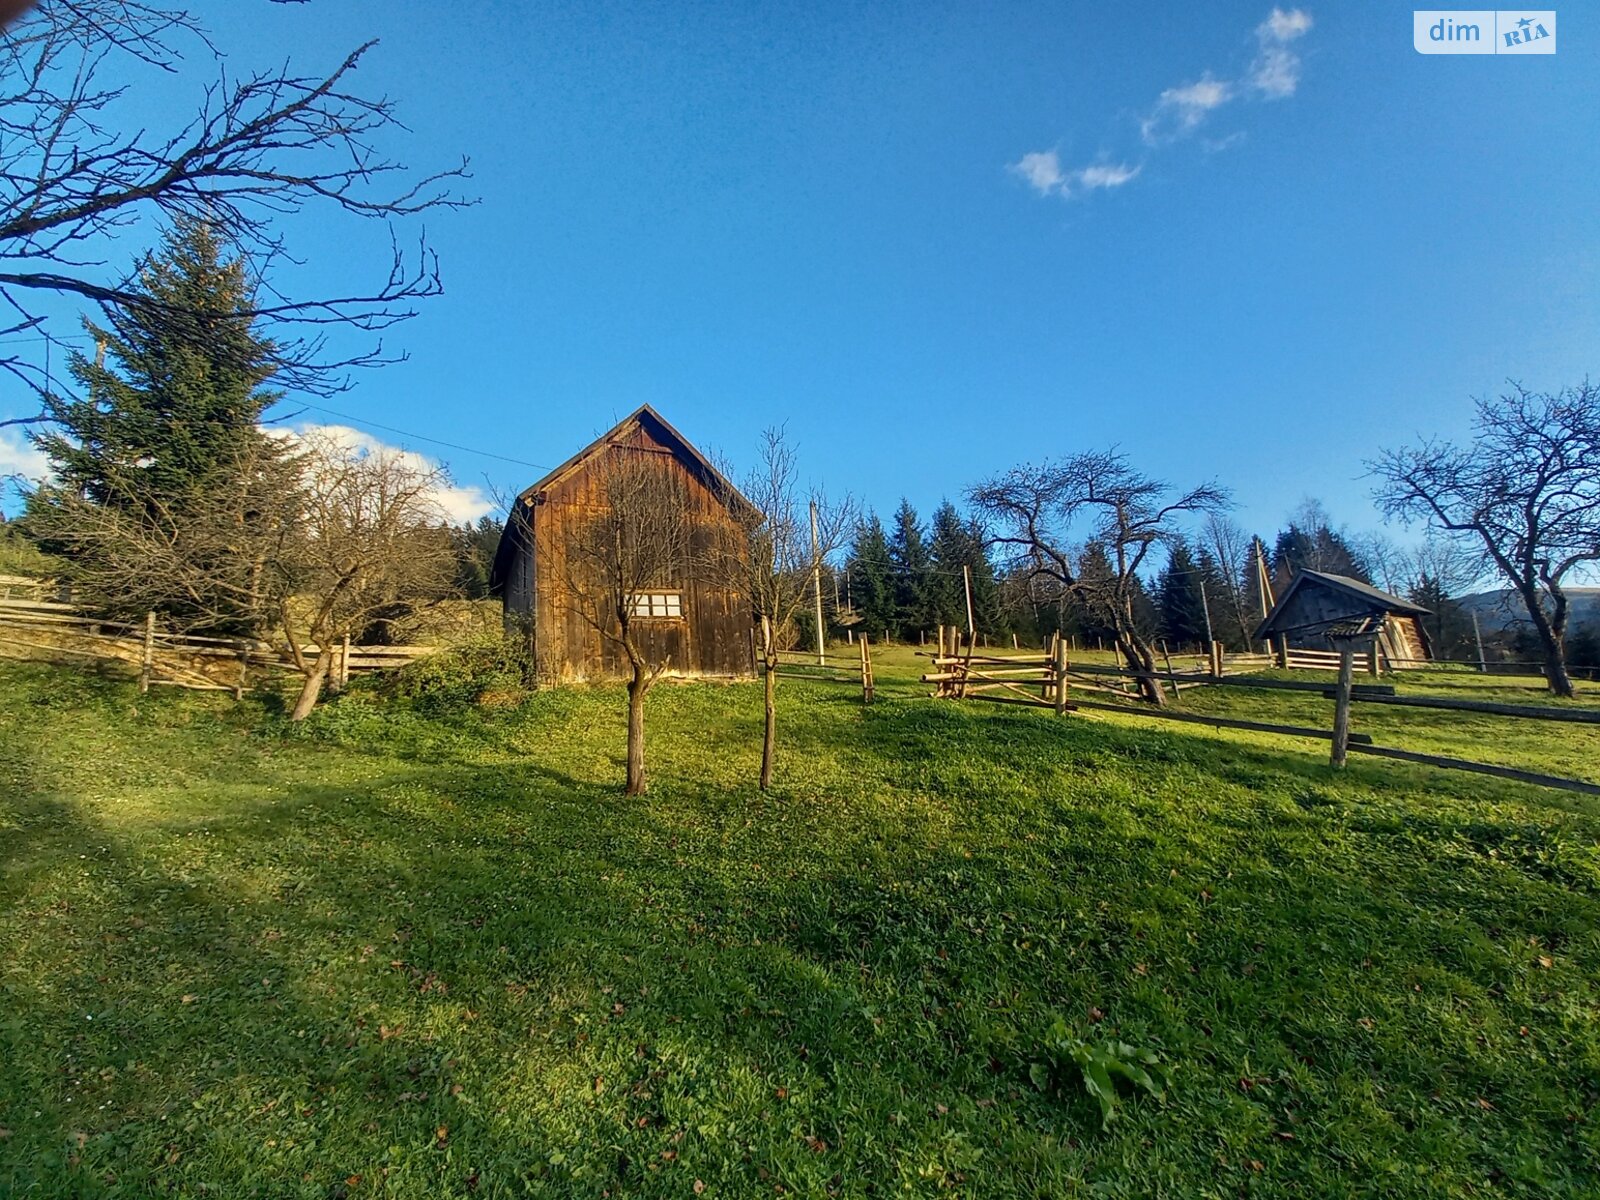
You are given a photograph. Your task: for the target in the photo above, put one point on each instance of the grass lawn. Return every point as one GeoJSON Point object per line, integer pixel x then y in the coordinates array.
{"type": "Point", "coordinates": [396, 953]}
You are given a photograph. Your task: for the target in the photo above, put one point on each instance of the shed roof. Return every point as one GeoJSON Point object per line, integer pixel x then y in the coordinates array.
{"type": "Point", "coordinates": [653, 422]}
{"type": "Point", "coordinates": [657, 425]}
{"type": "Point", "coordinates": [1363, 598]}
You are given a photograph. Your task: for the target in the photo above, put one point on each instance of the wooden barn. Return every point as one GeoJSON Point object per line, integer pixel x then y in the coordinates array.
{"type": "Point", "coordinates": [703, 626]}
{"type": "Point", "coordinates": [1315, 601]}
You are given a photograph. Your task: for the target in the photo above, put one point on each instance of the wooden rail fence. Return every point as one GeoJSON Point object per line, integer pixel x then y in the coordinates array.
{"type": "Point", "coordinates": [966, 675]}
{"type": "Point", "coordinates": [161, 657]}
{"type": "Point", "coordinates": [802, 664]}
{"type": "Point", "coordinates": [1039, 681]}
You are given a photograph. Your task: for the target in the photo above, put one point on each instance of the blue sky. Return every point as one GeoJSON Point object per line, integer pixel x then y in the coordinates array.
{"type": "Point", "coordinates": [936, 240]}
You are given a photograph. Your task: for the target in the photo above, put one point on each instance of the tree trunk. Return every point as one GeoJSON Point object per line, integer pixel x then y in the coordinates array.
{"type": "Point", "coordinates": [637, 686]}
{"type": "Point", "coordinates": [313, 685]}
{"type": "Point", "coordinates": [1141, 657]}
{"type": "Point", "coordinates": [769, 733]}
{"type": "Point", "coordinates": [1551, 641]}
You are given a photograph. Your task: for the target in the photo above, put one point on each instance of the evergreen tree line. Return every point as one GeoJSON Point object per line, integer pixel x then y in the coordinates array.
{"type": "Point", "coordinates": [903, 580]}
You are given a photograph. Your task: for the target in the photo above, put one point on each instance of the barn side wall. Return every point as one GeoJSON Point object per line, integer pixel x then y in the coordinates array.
{"type": "Point", "coordinates": [1312, 609]}
{"type": "Point", "coordinates": [712, 637]}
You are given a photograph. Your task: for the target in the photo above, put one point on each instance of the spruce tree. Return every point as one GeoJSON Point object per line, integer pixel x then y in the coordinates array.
{"type": "Point", "coordinates": [869, 578]}
{"type": "Point", "coordinates": [908, 551]}
{"type": "Point", "coordinates": [178, 393]}
{"type": "Point", "coordinates": [162, 455]}
{"type": "Point", "coordinates": [1182, 614]}
{"type": "Point", "coordinates": [948, 552]}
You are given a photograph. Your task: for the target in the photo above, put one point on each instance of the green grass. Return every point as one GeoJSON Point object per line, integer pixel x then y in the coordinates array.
{"type": "Point", "coordinates": [408, 955]}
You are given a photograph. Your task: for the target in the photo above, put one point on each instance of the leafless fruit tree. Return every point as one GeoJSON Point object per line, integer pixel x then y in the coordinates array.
{"type": "Point", "coordinates": [78, 168]}
{"type": "Point", "coordinates": [368, 540]}
{"type": "Point", "coordinates": [1036, 510]}
{"type": "Point", "coordinates": [201, 557]}
{"type": "Point", "coordinates": [1525, 494]}
{"type": "Point", "coordinates": [771, 558]}
{"type": "Point", "coordinates": [634, 539]}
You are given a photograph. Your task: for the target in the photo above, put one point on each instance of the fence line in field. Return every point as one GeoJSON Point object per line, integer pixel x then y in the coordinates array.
{"type": "Point", "coordinates": [799, 664]}
{"type": "Point", "coordinates": [32, 628]}
{"type": "Point", "coordinates": [955, 673]}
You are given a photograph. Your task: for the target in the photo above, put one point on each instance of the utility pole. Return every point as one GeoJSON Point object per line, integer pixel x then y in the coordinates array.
{"type": "Point", "coordinates": [1477, 636]}
{"type": "Point", "coordinates": [1205, 607]}
{"type": "Point", "coordinates": [816, 583]}
{"type": "Point", "coordinates": [966, 579]}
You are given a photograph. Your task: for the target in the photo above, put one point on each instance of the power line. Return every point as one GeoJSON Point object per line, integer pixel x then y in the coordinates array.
{"type": "Point", "coordinates": [422, 437]}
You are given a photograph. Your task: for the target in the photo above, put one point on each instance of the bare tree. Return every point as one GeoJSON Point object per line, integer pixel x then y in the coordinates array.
{"type": "Point", "coordinates": [1233, 549]}
{"type": "Point", "coordinates": [368, 541]}
{"type": "Point", "coordinates": [199, 556]}
{"type": "Point", "coordinates": [1038, 508]}
{"type": "Point", "coordinates": [78, 168]}
{"type": "Point", "coordinates": [633, 542]}
{"type": "Point", "coordinates": [1525, 494]}
{"type": "Point", "coordinates": [772, 558]}
{"type": "Point", "coordinates": [1389, 563]}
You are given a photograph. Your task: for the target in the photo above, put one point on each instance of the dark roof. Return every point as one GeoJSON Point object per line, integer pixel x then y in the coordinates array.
{"type": "Point", "coordinates": [658, 426]}
{"type": "Point", "coordinates": [1364, 598]}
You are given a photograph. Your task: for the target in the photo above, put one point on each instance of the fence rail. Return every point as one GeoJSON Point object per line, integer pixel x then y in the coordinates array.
{"type": "Point", "coordinates": [954, 670]}
{"type": "Point", "coordinates": [168, 658]}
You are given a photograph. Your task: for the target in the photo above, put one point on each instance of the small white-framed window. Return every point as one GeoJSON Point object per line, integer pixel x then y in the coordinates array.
{"type": "Point", "coordinates": [658, 604]}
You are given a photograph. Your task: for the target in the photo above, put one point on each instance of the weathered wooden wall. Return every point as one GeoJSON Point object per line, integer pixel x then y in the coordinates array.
{"type": "Point", "coordinates": [713, 635]}
{"type": "Point", "coordinates": [1313, 607]}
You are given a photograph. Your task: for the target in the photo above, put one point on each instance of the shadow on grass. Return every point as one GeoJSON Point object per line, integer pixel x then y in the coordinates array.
{"type": "Point", "coordinates": [834, 987]}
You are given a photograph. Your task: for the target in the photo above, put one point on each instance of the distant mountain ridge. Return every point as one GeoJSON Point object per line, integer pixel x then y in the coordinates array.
{"type": "Point", "coordinates": [1502, 609]}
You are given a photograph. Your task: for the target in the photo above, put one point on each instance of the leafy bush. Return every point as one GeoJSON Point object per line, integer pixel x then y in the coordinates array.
{"type": "Point", "coordinates": [491, 670]}
{"type": "Point", "coordinates": [19, 556]}
{"type": "Point", "coordinates": [1066, 1061]}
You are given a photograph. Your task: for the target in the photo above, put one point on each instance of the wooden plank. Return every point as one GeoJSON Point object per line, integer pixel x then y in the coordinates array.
{"type": "Point", "coordinates": [1477, 768]}
{"type": "Point", "coordinates": [1223, 722]}
{"type": "Point", "coordinates": [21, 605]}
{"type": "Point", "coordinates": [1025, 701]}
{"type": "Point", "coordinates": [1531, 712]}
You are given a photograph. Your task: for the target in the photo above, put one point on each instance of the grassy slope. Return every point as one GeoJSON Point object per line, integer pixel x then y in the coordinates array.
{"type": "Point", "coordinates": [395, 955]}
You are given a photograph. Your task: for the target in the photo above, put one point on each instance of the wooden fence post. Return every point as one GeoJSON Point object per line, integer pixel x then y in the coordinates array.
{"type": "Point", "coordinates": [1283, 652]}
{"type": "Point", "coordinates": [1216, 660]}
{"type": "Point", "coordinates": [244, 670]}
{"type": "Point", "coordinates": [1059, 665]}
{"type": "Point", "coordinates": [867, 682]}
{"type": "Point", "coordinates": [344, 663]}
{"type": "Point", "coordinates": [147, 662]}
{"type": "Point", "coordinates": [1372, 658]}
{"type": "Point", "coordinates": [1341, 711]}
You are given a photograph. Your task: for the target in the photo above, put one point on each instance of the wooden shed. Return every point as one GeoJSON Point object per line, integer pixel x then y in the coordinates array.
{"type": "Point", "coordinates": [1315, 602]}
{"type": "Point", "coordinates": [698, 623]}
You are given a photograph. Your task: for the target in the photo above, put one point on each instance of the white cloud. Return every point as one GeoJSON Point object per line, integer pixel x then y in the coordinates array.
{"type": "Point", "coordinates": [458, 504]}
{"type": "Point", "coordinates": [1042, 170]}
{"type": "Point", "coordinates": [1283, 26]}
{"type": "Point", "coordinates": [1275, 73]}
{"type": "Point", "coordinates": [1106, 175]}
{"type": "Point", "coordinates": [18, 456]}
{"type": "Point", "coordinates": [1180, 110]}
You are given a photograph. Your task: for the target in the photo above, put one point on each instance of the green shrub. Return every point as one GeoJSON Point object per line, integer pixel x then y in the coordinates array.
{"type": "Point", "coordinates": [19, 556]}
{"type": "Point", "coordinates": [492, 671]}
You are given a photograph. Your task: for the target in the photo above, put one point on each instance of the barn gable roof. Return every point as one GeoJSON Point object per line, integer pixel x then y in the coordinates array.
{"type": "Point", "coordinates": [654, 424]}
{"type": "Point", "coordinates": [1363, 597]}
{"type": "Point", "coordinates": [658, 426]}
